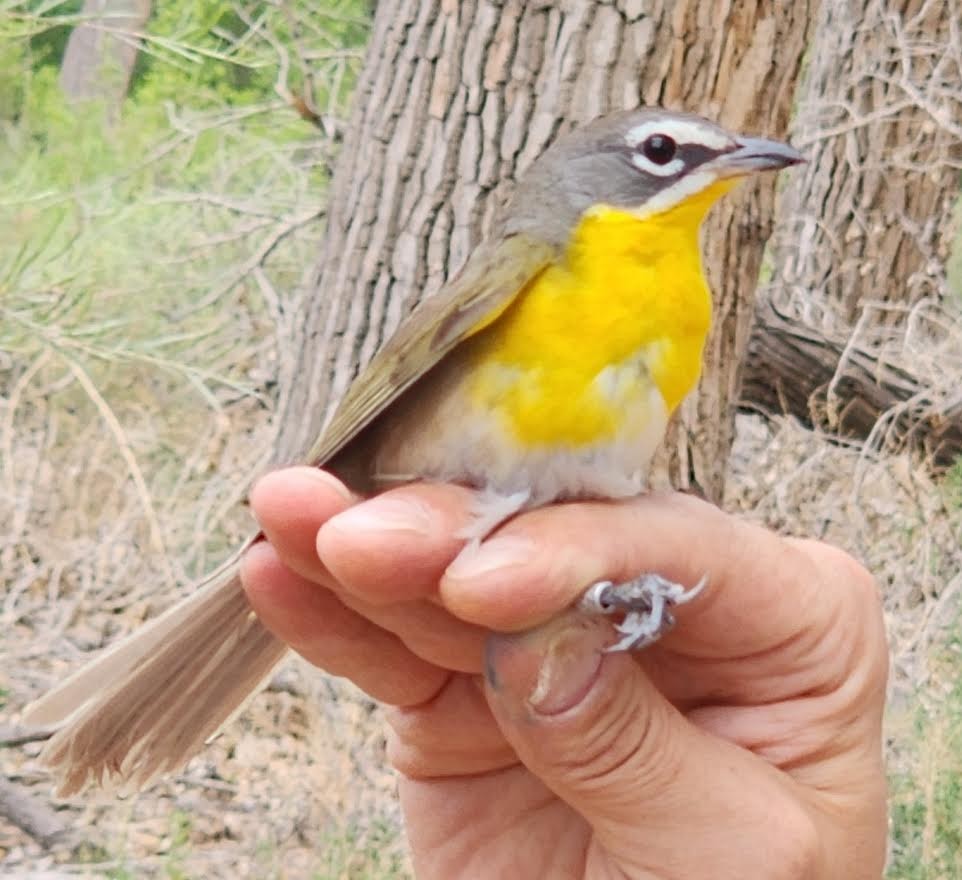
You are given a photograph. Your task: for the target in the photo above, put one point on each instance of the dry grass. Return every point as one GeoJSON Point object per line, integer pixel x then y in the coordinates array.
{"type": "Point", "coordinates": [297, 788]}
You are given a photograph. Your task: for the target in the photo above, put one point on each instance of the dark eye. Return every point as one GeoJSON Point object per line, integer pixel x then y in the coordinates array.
{"type": "Point", "coordinates": [659, 148]}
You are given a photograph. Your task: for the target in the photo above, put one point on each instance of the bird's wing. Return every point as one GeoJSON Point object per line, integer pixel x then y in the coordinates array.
{"type": "Point", "coordinates": [494, 275]}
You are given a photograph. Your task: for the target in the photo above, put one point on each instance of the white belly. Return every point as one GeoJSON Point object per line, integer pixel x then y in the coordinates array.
{"type": "Point", "coordinates": [435, 440]}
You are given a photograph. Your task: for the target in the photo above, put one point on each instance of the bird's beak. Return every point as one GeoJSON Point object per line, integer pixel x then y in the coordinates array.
{"type": "Point", "coordinates": [756, 154]}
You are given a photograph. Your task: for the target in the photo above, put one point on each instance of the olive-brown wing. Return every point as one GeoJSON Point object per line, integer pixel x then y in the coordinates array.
{"type": "Point", "coordinates": [494, 275]}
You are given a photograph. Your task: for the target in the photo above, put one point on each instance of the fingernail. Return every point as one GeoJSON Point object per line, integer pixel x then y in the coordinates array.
{"type": "Point", "coordinates": [384, 515]}
{"type": "Point", "coordinates": [550, 669]}
{"type": "Point", "coordinates": [476, 560]}
{"type": "Point", "coordinates": [329, 481]}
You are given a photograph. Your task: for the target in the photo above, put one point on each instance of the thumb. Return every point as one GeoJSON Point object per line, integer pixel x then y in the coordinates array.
{"type": "Point", "coordinates": [595, 730]}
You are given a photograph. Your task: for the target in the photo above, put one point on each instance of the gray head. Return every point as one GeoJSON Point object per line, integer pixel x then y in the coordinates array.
{"type": "Point", "coordinates": [644, 161]}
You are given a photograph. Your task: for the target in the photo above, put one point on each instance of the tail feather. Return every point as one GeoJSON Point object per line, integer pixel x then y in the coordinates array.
{"type": "Point", "coordinates": [147, 706]}
{"type": "Point", "coordinates": [57, 705]}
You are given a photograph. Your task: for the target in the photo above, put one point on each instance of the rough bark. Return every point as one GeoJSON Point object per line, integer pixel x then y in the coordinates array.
{"type": "Point", "coordinates": [880, 117]}
{"type": "Point", "coordinates": [101, 52]}
{"type": "Point", "coordinates": [864, 229]}
{"type": "Point", "coordinates": [457, 98]}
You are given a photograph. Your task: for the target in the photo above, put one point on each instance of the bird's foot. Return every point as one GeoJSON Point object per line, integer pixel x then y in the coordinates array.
{"type": "Point", "coordinates": [646, 603]}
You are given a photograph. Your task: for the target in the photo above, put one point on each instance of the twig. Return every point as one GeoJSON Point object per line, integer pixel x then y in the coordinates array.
{"type": "Point", "coordinates": [13, 736]}
{"type": "Point", "coordinates": [30, 815]}
{"type": "Point", "coordinates": [256, 259]}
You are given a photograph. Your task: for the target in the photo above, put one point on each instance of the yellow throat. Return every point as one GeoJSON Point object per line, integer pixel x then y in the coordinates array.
{"type": "Point", "coordinates": [628, 308]}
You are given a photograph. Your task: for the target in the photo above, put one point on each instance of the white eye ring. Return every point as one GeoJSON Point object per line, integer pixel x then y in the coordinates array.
{"type": "Point", "coordinates": [667, 170]}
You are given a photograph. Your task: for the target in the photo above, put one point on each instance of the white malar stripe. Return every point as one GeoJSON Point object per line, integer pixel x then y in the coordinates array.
{"type": "Point", "coordinates": [682, 189]}
{"type": "Point", "coordinates": [649, 167]}
{"type": "Point", "coordinates": [682, 131]}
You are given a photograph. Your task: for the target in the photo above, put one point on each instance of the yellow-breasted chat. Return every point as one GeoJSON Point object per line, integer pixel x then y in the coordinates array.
{"type": "Point", "coordinates": [545, 370]}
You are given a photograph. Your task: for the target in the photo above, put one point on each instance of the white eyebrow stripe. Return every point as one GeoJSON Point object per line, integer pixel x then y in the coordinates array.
{"type": "Point", "coordinates": [683, 131]}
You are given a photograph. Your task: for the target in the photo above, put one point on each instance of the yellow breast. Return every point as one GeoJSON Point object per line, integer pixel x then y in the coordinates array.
{"type": "Point", "coordinates": [579, 351]}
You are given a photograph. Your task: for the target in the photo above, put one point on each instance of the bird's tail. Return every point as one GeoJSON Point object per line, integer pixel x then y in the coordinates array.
{"type": "Point", "coordinates": [148, 704]}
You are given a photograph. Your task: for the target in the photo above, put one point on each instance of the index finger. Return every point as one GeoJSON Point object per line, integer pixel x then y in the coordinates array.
{"type": "Point", "coordinates": [763, 589]}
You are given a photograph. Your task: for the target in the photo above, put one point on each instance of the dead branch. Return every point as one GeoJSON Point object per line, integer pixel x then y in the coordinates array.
{"type": "Point", "coordinates": [31, 815]}
{"type": "Point", "coordinates": [836, 382]}
{"type": "Point", "coordinates": [13, 736]}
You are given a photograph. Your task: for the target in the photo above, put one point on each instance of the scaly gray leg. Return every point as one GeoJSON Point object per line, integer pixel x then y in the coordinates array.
{"type": "Point", "coordinates": [646, 603]}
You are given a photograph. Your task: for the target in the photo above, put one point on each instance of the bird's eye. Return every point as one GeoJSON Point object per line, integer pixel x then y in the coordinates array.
{"type": "Point", "coordinates": [659, 148]}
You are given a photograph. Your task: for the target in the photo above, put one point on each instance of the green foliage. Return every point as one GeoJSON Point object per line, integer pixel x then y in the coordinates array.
{"type": "Point", "coordinates": [952, 486]}
{"type": "Point", "coordinates": [41, 26]}
{"type": "Point", "coordinates": [215, 50]}
{"type": "Point", "coordinates": [372, 854]}
{"type": "Point", "coordinates": [206, 53]}
{"type": "Point", "coordinates": [180, 831]}
{"type": "Point", "coordinates": [106, 246]}
{"type": "Point", "coordinates": [926, 798]}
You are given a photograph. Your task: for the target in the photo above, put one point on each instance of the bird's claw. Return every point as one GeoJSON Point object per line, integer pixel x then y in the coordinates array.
{"type": "Point", "coordinates": [646, 603]}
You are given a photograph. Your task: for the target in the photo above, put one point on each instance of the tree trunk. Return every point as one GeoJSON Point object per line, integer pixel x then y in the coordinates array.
{"type": "Point", "coordinates": [457, 98]}
{"type": "Point", "coordinates": [102, 50]}
{"type": "Point", "coordinates": [865, 229]}
{"type": "Point", "coordinates": [880, 116]}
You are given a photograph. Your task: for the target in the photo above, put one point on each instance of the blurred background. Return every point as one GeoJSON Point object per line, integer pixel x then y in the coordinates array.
{"type": "Point", "coordinates": [212, 212]}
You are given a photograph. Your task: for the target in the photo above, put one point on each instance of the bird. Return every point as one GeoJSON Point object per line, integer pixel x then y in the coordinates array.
{"type": "Point", "coordinates": [545, 370]}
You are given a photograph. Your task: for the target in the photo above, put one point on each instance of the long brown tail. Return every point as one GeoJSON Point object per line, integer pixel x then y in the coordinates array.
{"type": "Point", "coordinates": [148, 704]}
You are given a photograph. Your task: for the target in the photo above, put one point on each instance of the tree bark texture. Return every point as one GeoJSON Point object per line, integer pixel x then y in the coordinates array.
{"type": "Point", "coordinates": [880, 117]}
{"type": "Point", "coordinates": [102, 50]}
{"type": "Point", "coordinates": [864, 232]}
{"type": "Point", "coordinates": [458, 98]}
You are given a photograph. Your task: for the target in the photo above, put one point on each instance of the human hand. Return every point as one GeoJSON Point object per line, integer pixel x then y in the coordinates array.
{"type": "Point", "coordinates": [746, 743]}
